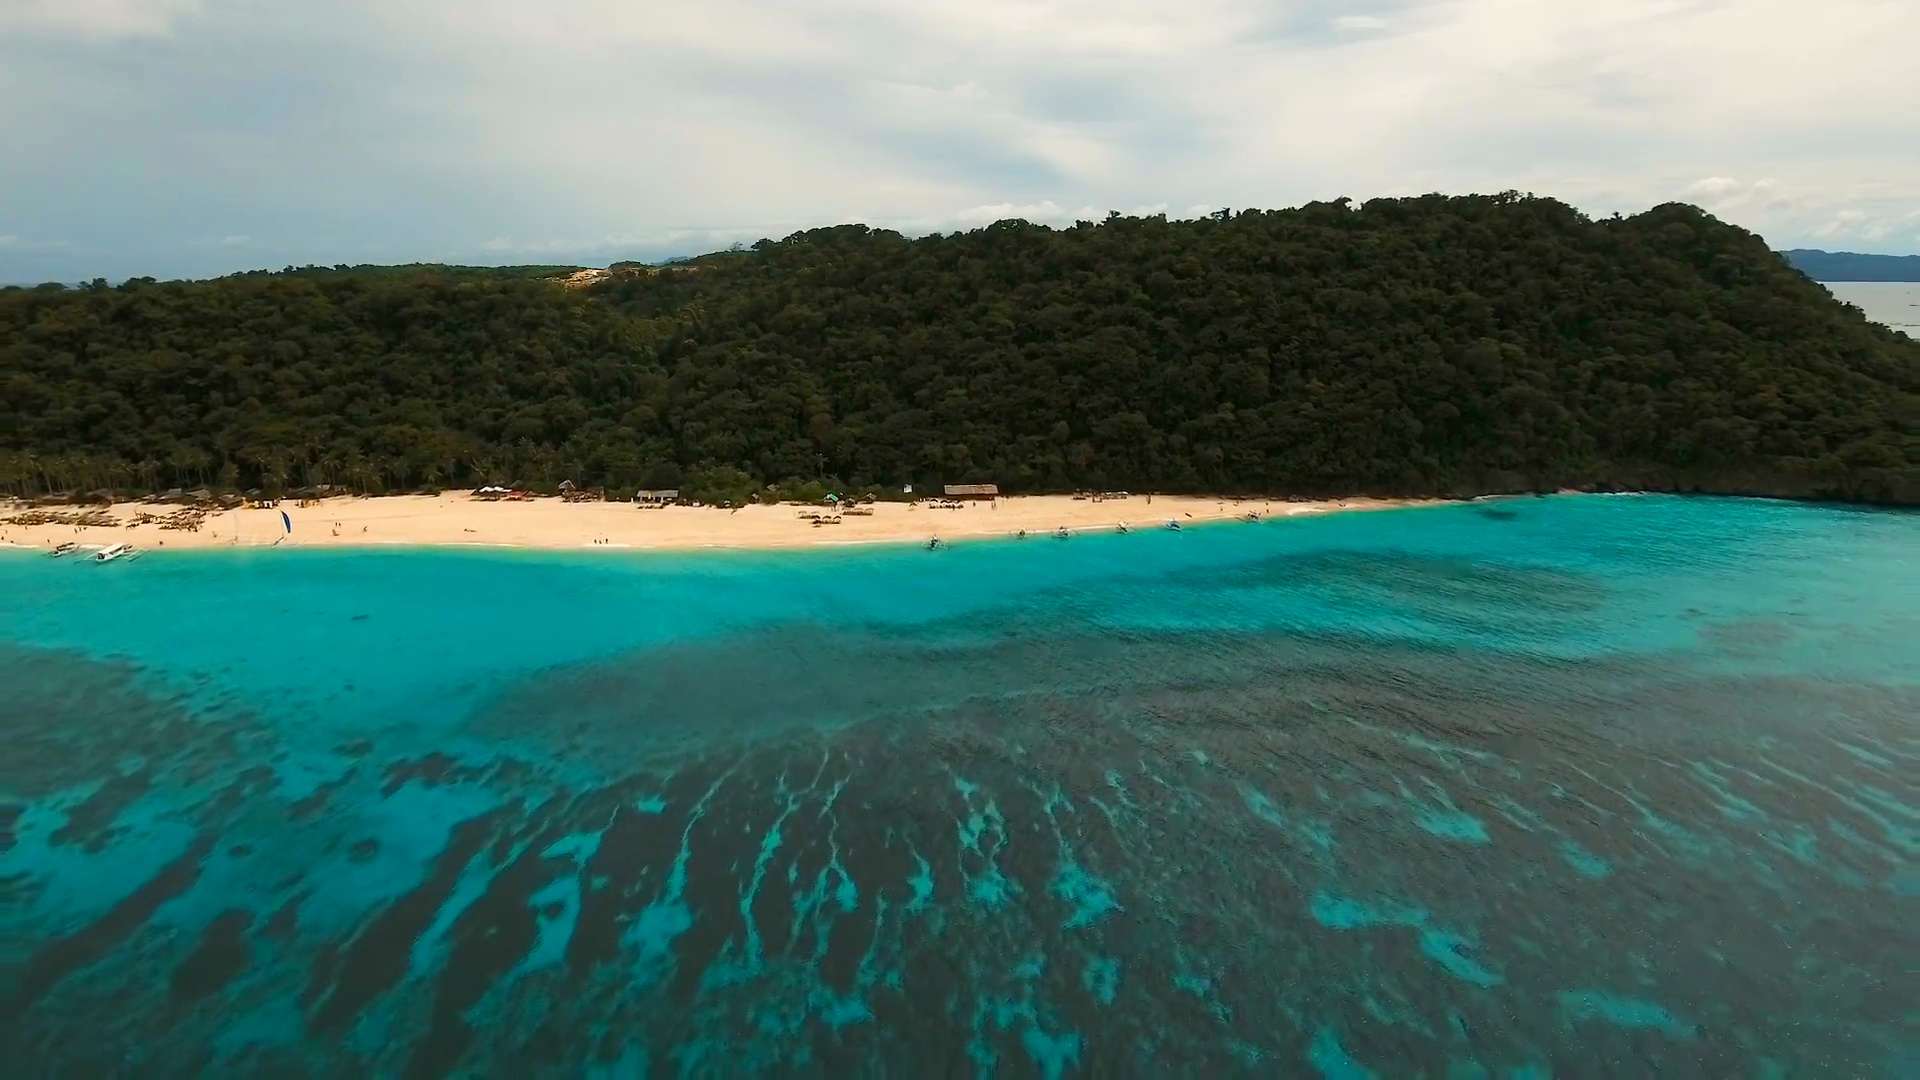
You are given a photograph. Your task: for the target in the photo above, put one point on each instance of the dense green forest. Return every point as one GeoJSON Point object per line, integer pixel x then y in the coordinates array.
{"type": "Point", "coordinates": [1431, 345]}
{"type": "Point", "coordinates": [1851, 266]}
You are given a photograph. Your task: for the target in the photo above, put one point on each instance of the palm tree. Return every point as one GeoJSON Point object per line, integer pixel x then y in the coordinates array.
{"type": "Point", "coordinates": [249, 457]}
{"type": "Point", "coordinates": [202, 462]}
{"type": "Point", "coordinates": [523, 462]}
{"type": "Point", "coordinates": [309, 451]}
{"type": "Point", "coordinates": [273, 471]}
{"type": "Point", "coordinates": [181, 460]}
{"type": "Point", "coordinates": [483, 469]}
{"type": "Point", "coordinates": [14, 472]}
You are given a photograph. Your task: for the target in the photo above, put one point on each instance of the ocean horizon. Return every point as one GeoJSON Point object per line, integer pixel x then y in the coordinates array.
{"type": "Point", "coordinates": [1576, 785]}
{"type": "Point", "coordinates": [1895, 304]}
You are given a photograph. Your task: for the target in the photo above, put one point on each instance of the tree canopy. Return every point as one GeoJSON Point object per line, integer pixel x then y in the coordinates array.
{"type": "Point", "coordinates": [1425, 346]}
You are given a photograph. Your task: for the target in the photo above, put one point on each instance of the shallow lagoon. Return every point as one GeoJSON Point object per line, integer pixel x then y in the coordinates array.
{"type": "Point", "coordinates": [1569, 786]}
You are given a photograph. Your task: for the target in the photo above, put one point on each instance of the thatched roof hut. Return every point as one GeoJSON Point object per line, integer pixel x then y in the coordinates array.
{"type": "Point", "coordinates": [973, 491]}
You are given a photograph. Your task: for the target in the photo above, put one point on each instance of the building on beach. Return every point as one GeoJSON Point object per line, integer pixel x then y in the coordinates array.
{"type": "Point", "coordinates": [973, 491]}
{"type": "Point", "coordinates": [660, 497]}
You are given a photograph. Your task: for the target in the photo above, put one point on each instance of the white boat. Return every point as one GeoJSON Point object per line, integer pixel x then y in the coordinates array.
{"type": "Point", "coordinates": [112, 552]}
{"type": "Point", "coordinates": [67, 548]}
{"type": "Point", "coordinates": [1122, 527]}
{"type": "Point", "coordinates": [1173, 525]}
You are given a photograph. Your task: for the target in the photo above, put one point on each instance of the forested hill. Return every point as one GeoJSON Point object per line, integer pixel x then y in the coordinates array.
{"type": "Point", "coordinates": [1418, 346]}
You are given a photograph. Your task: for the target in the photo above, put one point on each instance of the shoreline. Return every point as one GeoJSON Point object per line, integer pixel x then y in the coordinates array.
{"type": "Point", "coordinates": [549, 524]}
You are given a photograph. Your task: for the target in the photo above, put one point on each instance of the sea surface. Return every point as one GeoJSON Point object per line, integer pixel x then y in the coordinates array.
{"type": "Point", "coordinates": [1895, 303]}
{"type": "Point", "coordinates": [1584, 786]}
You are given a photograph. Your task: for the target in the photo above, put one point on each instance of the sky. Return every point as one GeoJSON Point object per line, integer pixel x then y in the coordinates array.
{"type": "Point", "coordinates": [179, 138]}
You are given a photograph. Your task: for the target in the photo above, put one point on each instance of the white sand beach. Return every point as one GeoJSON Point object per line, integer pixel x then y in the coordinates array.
{"type": "Point", "coordinates": [458, 518]}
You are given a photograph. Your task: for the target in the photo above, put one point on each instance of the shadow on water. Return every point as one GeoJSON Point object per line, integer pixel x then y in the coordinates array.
{"type": "Point", "coordinates": [1020, 849]}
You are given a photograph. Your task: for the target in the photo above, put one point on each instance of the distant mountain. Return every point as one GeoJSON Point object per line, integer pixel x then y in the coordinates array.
{"type": "Point", "coordinates": [1851, 266]}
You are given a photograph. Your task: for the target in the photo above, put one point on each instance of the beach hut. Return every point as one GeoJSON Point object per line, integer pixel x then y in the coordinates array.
{"type": "Point", "coordinates": [659, 497]}
{"type": "Point", "coordinates": [973, 491]}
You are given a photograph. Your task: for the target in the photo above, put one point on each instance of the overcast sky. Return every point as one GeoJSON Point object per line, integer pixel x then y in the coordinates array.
{"type": "Point", "coordinates": [191, 137]}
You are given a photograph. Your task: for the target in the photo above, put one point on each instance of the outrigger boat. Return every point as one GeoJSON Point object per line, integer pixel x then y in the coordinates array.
{"type": "Point", "coordinates": [1173, 525]}
{"type": "Point", "coordinates": [114, 551]}
{"type": "Point", "coordinates": [67, 548]}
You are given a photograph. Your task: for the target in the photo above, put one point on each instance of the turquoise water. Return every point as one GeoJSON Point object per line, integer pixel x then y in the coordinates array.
{"type": "Point", "coordinates": [1568, 786]}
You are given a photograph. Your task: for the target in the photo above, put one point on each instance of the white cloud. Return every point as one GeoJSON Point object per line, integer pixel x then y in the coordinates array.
{"type": "Point", "coordinates": [1863, 213]}
{"type": "Point", "coordinates": [1716, 189]}
{"type": "Point", "coordinates": [418, 128]}
{"type": "Point", "coordinates": [98, 18]}
{"type": "Point", "coordinates": [27, 245]}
